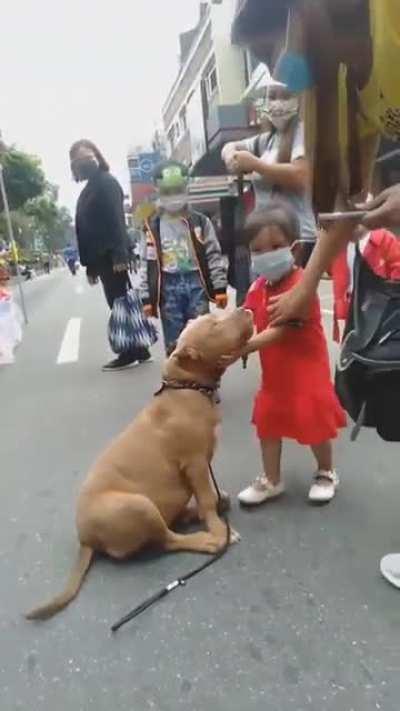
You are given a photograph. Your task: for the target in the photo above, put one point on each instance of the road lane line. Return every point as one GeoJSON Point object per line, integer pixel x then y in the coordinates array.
{"type": "Point", "coordinates": [69, 351]}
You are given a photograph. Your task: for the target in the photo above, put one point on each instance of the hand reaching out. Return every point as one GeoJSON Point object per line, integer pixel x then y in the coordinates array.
{"type": "Point", "coordinates": [384, 210]}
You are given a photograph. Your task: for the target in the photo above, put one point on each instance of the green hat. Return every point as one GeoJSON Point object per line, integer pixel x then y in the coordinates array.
{"type": "Point", "coordinates": [171, 177]}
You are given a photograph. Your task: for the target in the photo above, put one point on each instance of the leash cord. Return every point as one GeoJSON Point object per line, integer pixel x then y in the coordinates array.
{"type": "Point", "coordinates": [179, 582]}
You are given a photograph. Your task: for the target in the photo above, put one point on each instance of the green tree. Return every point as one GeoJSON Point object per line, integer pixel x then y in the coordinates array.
{"type": "Point", "coordinates": [50, 222]}
{"type": "Point", "coordinates": [23, 177]}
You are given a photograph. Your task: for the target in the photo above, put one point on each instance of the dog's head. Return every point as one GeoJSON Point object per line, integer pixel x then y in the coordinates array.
{"type": "Point", "coordinates": [208, 338]}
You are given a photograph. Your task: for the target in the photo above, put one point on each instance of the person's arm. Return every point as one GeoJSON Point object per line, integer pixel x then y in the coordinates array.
{"type": "Point", "coordinates": [296, 302]}
{"type": "Point", "coordinates": [230, 149]}
{"type": "Point", "coordinates": [293, 175]}
{"type": "Point", "coordinates": [264, 339]}
{"type": "Point", "coordinates": [112, 199]}
{"type": "Point", "coordinates": [290, 176]}
{"type": "Point", "coordinates": [384, 210]}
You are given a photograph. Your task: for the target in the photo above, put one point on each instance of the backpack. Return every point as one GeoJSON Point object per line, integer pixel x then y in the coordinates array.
{"type": "Point", "coordinates": [368, 373]}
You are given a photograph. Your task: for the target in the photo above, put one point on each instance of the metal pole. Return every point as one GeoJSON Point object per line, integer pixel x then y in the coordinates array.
{"type": "Point", "coordinates": [12, 241]}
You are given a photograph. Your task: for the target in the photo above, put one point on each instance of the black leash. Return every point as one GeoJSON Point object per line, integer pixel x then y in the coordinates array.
{"type": "Point", "coordinates": [179, 582]}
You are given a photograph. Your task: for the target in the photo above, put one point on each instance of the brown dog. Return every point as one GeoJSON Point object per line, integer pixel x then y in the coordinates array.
{"type": "Point", "coordinates": [144, 480]}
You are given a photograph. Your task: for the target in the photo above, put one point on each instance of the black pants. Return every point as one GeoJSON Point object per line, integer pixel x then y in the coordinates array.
{"type": "Point", "coordinates": [115, 285]}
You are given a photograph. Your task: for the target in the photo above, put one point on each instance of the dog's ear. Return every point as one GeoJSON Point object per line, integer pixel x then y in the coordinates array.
{"type": "Point", "coordinates": [186, 353]}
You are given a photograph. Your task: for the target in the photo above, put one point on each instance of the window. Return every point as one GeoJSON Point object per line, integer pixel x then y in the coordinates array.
{"type": "Point", "coordinates": [183, 119]}
{"type": "Point", "coordinates": [171, 136]}
{"type": "Point", "coordinates": [211, 81]}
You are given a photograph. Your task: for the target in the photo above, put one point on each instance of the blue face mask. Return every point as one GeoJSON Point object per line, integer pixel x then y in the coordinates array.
{"type": "Point", "coordinates": [294, 70]}
{"type": "Point", "coordinates": [273, 265]}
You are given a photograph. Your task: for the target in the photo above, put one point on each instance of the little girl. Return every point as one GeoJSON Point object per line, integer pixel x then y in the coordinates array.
{"type": "Point", "coordinates": [296, 399]}
{"type": "Point", "coordinates": [10, 321]}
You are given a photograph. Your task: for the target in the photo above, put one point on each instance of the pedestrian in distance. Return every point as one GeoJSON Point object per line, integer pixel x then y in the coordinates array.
{"type": "Point", "coordinates": [102, 235]}
{"type": "Point", "coordinates": [182, 266]}
{"type": "Point", "coordinates": [296, 399]}
{"type": "Point", "coordinates": [10, 318]}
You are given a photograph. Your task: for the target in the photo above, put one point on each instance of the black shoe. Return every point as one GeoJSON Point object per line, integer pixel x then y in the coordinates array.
{"type": "Point", "coordinates": [146, 358]}
{"type": "Point", "coordinates": [121, 363]}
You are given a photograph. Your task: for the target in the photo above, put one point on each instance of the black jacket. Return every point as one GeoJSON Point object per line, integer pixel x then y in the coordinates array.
{"type": "Point", "coordinates": [100, 221]}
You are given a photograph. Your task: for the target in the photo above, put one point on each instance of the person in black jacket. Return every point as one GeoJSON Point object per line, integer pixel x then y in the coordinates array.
{"type": "Point", "coordinates": [101, 233]}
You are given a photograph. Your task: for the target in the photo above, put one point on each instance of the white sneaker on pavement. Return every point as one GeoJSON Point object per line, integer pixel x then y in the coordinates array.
{"type": "Point", "coordinates": [259, 491]}
{"type": "Point", "coordinates": [324, 487]}
{"type": "Point", "coordinates": [390, 568]}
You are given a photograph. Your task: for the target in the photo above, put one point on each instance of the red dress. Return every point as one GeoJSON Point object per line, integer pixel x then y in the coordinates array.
{"type": "Point", "coordinates": [296, 399]}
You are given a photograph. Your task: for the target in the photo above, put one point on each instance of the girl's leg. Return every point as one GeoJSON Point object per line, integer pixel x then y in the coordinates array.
{"type": "Point", "coordinates": [268, 485]}
{"type": "Point", "coordinates": [326, 480]}
{"type": "Point", "coordinates": [271, 452]}
{"type": "Point", "coordinates": [323, 455]}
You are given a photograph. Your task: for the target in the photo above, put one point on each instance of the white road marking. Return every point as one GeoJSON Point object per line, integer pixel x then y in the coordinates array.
{"type": "Point", "coordinates": [69, 351]}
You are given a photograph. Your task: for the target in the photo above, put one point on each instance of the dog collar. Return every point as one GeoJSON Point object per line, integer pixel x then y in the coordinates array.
{"type": "Point", "coordinates": [207, 390]}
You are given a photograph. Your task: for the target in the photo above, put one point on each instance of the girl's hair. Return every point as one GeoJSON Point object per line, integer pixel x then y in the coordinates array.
{"type": "Point", "coordinates": [279, 213]}
{"type": "Point", "coordinates": [84, 143]}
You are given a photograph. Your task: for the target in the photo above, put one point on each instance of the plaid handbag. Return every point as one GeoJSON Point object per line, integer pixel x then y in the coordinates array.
{"type": "Point", "coordinates": [128, 328]}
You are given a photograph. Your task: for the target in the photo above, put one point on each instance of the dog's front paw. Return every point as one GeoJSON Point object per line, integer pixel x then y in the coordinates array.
{"type": "Point", "coordinates": [235, 536]}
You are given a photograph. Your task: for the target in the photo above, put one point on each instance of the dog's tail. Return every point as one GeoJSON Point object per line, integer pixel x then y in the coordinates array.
{"type": "Point", "coordinates": [73, 586]}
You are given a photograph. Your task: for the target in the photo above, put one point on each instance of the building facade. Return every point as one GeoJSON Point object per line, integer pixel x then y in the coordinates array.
{"type": "Point", "coordinates": [206, 106]}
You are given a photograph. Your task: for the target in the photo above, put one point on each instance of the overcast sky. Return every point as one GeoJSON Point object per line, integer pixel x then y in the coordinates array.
{"type": "Point", "coordinates": [98, 69]}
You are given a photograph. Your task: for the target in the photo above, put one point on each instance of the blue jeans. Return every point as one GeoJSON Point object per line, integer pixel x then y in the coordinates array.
{"type": "Point", "coordinates": [182, 298]}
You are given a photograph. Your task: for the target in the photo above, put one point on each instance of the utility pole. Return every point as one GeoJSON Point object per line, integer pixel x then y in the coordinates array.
{"type": "Point", "coordinates": [11, 239]}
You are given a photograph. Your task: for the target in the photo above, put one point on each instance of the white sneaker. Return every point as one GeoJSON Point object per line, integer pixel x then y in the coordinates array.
{"type": "Point", "coordinates": [324, 487]}
{"type": "Point", "coordinates": [390, 568]}
{"type": "Point", "coordinates": [259, 491]}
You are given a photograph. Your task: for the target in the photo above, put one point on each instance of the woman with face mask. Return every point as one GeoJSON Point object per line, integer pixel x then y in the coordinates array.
{"type": "Point", "coordinates": [101, 233]}
{"type": "Point", "coordinates": [276, 159]}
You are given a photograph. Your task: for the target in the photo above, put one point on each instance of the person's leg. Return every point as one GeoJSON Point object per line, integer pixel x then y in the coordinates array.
{"type": "Point", "coordinates": [326, 480]}
{"type": "Point", "coordinates": [271, 452]}
{"type": "Point", "coordinates": [197, 303]}
{"type": "Point", "coordinates": [172, 310]}
{"type": "Point", "coordinates": [269, 484]}
{"type": "Point", "coordinates": [323, 455]}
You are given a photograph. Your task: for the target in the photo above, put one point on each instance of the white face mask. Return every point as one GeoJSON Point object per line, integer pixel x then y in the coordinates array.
{"type": "Point", "coordinates": [173, 205]}
{"type": "Point", "coordinates": [280, 111]}
{"type": "Point", "coordinates": [273, 265]}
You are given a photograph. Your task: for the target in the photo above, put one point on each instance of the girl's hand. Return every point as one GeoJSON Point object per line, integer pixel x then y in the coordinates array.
{"type": "Point", "coordinates": [293, 305]}
{"type": "Point", "coordinates": [243, 162]}
{"type": "Point", "coordinates": [226, 360]}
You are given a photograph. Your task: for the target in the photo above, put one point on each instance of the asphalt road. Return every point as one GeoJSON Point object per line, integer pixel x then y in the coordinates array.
{"type": "Point", "coordinates": [294, 618]}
